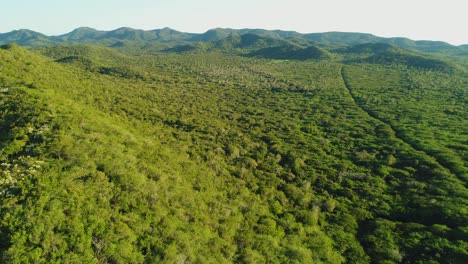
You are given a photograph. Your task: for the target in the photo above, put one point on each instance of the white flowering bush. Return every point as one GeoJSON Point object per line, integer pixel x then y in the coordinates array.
{"type": "Point", "coordinates": [17, 170]}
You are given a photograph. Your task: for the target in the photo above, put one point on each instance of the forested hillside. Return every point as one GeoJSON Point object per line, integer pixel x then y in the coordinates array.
{"type": "Point", "coordinates": [232, 149]}
{"type": "Point", "coordinates": [164, 37]}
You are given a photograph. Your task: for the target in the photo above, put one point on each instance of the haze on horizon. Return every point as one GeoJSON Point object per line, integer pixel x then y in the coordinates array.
{"type": "Point", "coordinates": [416, 19]}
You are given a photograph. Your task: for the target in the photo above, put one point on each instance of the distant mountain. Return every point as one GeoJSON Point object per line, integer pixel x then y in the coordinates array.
{"type": "Point", "coordinates": [126, 33]}
{"type": "Point", "coordinates": [463, 50]}
{"type": "Point", "coordinates": [168, 34]}
{"type": "Point", "coordinates": [347, 38]}
{"type": "Point", "coordinates": [220, 33]}
{"type": "Point", "coordinates": [341, 38]}
{"type": "Point", "coordinates": [213, 35]}
{"type": "Point", "coordinates": [249, 41]}
{"type": "Point", "coordinates": [272, 33]}
{"type": "Point", "coordinates": [233, 42]}
{"type": "Point", "coordinates": [328, 40]}
{"type": "Point", "coordinates": [26, 37]}
{"type": "Point", "coordinates": [82, 34]}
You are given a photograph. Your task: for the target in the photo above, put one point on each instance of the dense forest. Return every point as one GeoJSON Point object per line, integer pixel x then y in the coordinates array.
{"type": "Point", "coordinates": [247, 146]}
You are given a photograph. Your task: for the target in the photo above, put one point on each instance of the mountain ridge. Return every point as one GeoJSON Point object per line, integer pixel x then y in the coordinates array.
{"type": "Point", "coordinates": [26, 37]}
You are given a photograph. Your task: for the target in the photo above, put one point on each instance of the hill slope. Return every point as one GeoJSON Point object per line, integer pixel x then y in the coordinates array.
{"type": "Point", "coordinates": [388, 54]}
{"type": "Point", "coordinates": [292, 52]}
{"type": "Point", "coordinates": [215, 158]}
{"type": "Point", "coordinates": [27, 37]}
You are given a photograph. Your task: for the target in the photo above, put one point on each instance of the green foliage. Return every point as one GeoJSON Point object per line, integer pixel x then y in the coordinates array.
{"type": "Point", "coordinates": [291, 51]}
{"type": "Point", "coordinates": [205, 157]}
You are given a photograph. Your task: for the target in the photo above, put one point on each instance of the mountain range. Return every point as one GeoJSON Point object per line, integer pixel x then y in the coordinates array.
{"type": "Point", "coordinates": [172, 37]}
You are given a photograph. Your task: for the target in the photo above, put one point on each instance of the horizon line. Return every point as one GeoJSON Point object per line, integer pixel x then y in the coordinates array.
{"type": "Point", "coordinates": [232, 28]}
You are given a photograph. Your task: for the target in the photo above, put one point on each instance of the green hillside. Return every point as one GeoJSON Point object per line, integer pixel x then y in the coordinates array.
{"type": "Point", "coordinates": [388, 54]}
{"type": "Point", "coordinates": [27, 37]}
{"type": "Point", "coordinates": [83, 34]}
{"type": "Point", "coordinates": [244, 149]}
{"type": "Point", "coordinates": [291, 52]}
{"type": "Point", "coordinates": [213, 35]}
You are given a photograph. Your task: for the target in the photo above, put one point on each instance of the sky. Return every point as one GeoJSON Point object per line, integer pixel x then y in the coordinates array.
{"type": "Point", "coordinates": [416, 19]}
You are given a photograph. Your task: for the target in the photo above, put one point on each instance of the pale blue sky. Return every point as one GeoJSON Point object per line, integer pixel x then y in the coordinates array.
{"type": "Point", "coordinates": [417, 19]}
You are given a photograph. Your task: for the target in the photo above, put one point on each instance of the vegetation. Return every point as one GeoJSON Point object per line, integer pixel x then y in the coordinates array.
{"type": "Point", "coordinates": [256, 148]}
